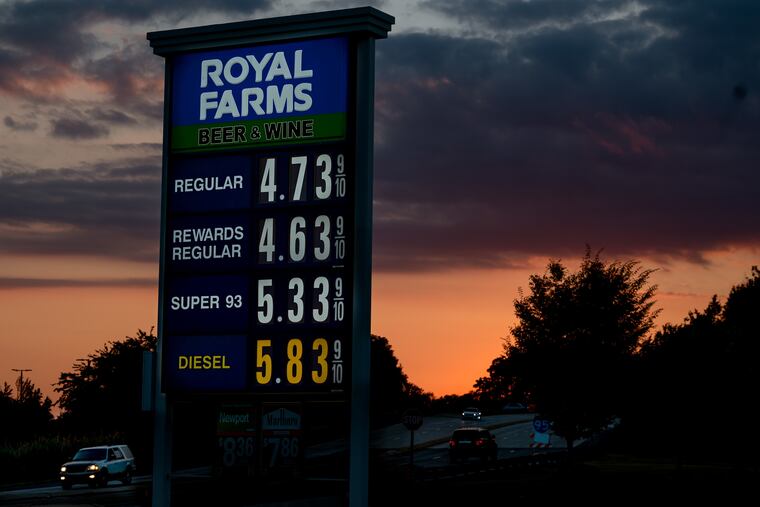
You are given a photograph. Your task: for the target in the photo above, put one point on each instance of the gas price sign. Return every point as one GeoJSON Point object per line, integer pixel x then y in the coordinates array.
{"type": "Point", "coordinates": [259, 220]}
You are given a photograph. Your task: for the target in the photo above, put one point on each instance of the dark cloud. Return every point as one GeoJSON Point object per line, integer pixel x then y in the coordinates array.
{"type": "Point", "coordinates": [46, 44]}
{"type": "Point", "coordinates": [108, 210]}
{"type": "Point", "coordinates": [551, 125]}
{"type": "Point", "coordinates": [325, 5]}
{"type": "Point", "coordinates": [519, 14]}
{"type": "Point", "coordinates": [75, 129]}
{"type": "Point", "coordinates": [73, 122]}
{"type": "Point", "coordinates": [604, 130]}
{"type": "Point", "coordinates": [59, 28]}
{"type": "Point", "coordinates": [112, 116]}
{"type": "Point", "coordinates": [19, 125]}
{"type": "Point", "coordinates": [142, 147]}
{"type": "Point", "coordinates": [132, 77]}
{"type": "Point", "coordinates": [58, 283]}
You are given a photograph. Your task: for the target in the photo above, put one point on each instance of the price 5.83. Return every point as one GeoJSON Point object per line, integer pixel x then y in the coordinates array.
{"type": "Point", "coordinates": [316, 361]}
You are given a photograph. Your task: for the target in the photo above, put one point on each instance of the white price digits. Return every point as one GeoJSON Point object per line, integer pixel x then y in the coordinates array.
{"type": "Point", "coordinates": [266, 240]}
{"type": "Point", "coordinates": [340, 239]}
{"type": "Point", "coordinates": [297, 238]}
{"type": "Point", "coordinates": [265, 302]}
{"type": "Point", "coordinates": [325, 238]}
{"type": "Point", "coordinates": [295, 288]}
{"type": "Point", "coordinates": [329, 178]}
{"type": "Point", "coordinates": [323, 183]}
{"type": "Point", "coordinates": [297, 178]}
{"type": "Point", "coordinates": [321, 291]}
{"type": "Point", "coordinates": [267, 185]}
{"type": "Point", "coordinates": [322, 248]}
{"type": "Point", "coordinates": [322, 301]}
{"type": "Point", "coordinates": [339, 307]}
{"type": "Point", "coordinates": [340, 178]}
{"type": "Point", "coordinates": [324, 178]}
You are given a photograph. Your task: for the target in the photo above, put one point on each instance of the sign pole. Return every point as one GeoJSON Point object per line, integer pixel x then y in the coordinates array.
{"type": "Point", "coordinates": [359, 457]}
{"type": "Point", "coordinates": [411, 454]}
{"type": "Point", "coordinates": [412, 420]}
{"type": "Point", "coordinates": [162, 427]}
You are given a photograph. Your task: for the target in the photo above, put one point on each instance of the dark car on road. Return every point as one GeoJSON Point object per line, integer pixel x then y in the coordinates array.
{"type": "Point", "coordinates": [96, 466]}
{"type": "Point", "coordinates": [472, 443]}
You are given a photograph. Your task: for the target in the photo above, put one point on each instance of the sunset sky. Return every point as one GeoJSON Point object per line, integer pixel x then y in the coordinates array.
{"type": "Point", "coordinates": [507, 133]}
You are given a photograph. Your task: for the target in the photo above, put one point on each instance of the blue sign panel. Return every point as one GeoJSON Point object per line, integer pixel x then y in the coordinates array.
{"type": "Point", "coordinates": [208, 304]}
{"type": "Point", "coordinates": [207, 243]}
{"type": "Point", "coordinates": [206, 363]}
{"type": "Point", "coordinates": [260, 82]}
{"type": "Point", "coordinates": [280, 94]}
{"type": "Point", "coordinates": [210, 184]}
{"type": "Point", "coordinates": [259, 230]}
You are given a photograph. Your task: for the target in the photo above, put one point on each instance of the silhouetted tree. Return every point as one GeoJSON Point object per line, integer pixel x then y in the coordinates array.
{"type": "Point", "coordinates": [25, 415]}
{"type": "Point", "coordinates": [575, 339]}
{"type": "Point", "coordinates": [454, 403]}
{"type": "Point", "coordinates": [391, 391]}
{"type": "Point", "coordinates": [699, 379]}
{"type": "Point", "coordinates": [104, 391]}
{"type": "Point", "coordinates": [501, 385]}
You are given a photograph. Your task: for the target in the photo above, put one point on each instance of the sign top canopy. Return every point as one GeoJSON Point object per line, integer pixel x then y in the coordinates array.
{"type": "Point", "coordinates": [367, 21]}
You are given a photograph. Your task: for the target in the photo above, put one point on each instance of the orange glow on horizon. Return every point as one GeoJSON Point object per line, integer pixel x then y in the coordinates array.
{"type": "Point", "coordinates": [47, 330]}
{"type": "Point", "coordinates": [445, 327]}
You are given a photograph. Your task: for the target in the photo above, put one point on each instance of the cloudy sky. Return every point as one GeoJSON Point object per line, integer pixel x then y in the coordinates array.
{"type": "Point", "coordinates": [508, 132]}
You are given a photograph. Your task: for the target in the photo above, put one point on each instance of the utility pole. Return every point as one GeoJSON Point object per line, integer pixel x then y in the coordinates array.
{"type": "Point", "coordinates": [20, 381]}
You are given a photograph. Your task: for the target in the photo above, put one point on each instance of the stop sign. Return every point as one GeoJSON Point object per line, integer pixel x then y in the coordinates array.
{"type": "Point", "coordinates": [412, 419]}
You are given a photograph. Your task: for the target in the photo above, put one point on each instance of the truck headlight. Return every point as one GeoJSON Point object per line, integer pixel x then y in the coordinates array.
{"type": "Point", "coordinates": [93, 467]}
{"type": "Point", "coordinates": [63, 469]}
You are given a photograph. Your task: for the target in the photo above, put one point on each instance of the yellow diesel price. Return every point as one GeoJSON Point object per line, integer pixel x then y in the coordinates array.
{"type": "Point", "coordinates": [294, 361]}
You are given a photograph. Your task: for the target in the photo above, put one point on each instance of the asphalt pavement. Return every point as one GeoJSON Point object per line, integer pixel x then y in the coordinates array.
{"type": "Point", "coordinates": [512, 433]}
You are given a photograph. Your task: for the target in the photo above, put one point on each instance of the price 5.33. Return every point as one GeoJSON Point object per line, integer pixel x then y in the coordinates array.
{"type": "Point", "coordinates": [318, 300]}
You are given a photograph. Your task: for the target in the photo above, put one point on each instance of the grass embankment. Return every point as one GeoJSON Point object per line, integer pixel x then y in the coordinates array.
{"type": "Point", "coordinates": [39, 459]}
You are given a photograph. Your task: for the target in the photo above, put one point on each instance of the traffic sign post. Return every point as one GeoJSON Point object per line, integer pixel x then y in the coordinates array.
{"type": "Point", "coordinates": [541, 437]}
{"type": "Point", "coordinates": [541, 425]}
{"type": "Point", "coordinates": [412, 420]}
{"type": "Point", "coordinates": [265, 271]}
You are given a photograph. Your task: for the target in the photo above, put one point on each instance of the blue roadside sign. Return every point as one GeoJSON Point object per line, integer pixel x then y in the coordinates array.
{"type": "Point", "coordinates": [541, 425]}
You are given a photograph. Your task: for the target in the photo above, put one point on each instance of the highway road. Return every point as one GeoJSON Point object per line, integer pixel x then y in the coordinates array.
{"type": "Point", "coordinates": [436, 428]}
{"type": "Point", "coordinates": [512, 434]}
{"type": "Point", "coordinates": [51, 494]}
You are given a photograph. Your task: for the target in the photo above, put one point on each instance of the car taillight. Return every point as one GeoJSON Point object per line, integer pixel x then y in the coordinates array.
{"type": "Point", "coordinates": [452, 443]}
{"type": "Point", "coordinates": [480, 442]}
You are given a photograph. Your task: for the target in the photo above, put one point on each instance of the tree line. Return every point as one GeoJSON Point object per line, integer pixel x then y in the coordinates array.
{"type": "Point", "coordinates": [582, 353]}
{"type": "Point", "coordinates": [100, 402]}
